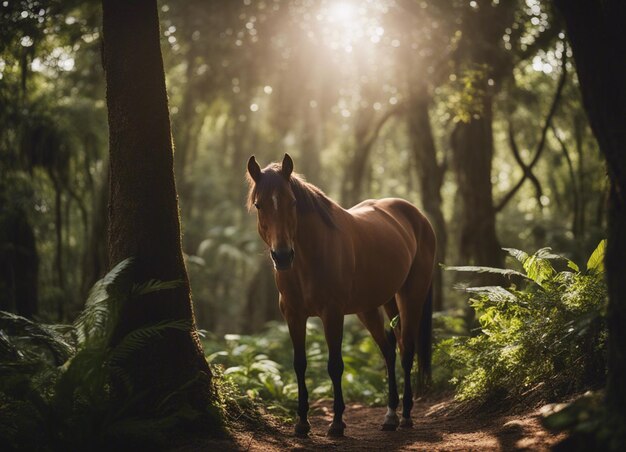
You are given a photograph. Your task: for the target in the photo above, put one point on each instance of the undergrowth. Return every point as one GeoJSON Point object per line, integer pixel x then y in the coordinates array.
{"type": "Point", "coordinates": [544, 335]}
{"type": "Point", "coordinates": [63, 387]}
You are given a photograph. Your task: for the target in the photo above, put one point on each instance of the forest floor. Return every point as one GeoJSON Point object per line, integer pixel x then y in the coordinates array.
{"type": "Point", "coordinates": [439, 425]}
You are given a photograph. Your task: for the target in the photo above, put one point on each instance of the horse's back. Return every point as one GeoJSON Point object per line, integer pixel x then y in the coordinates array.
{"type": "Point", "coordinates": [396, 213]}
{"type": "Point", "coordinates": [388, 235]}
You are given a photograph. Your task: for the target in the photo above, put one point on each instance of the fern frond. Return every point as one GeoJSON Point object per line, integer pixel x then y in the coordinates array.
{"type": "Point", "coordinates": [154, 285]}
{"type": "Point", "coordinates": [478, 269]}
{"type": "Point", "coordinates": [139, 338]}
{"type": "Point", "coordinates": [98, 318]}
{"type": "Point", "coordinates": [494, 293]}
{"type": "Point", "coordinates": [520, 255]}
{"type": "Point", "coordinates": [31, 335]}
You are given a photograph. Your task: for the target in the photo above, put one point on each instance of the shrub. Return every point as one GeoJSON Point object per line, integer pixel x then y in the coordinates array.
{"type": "Point", "coordinates": [63, 387]}
{"type": "Point", "coordinates": [548, 332]}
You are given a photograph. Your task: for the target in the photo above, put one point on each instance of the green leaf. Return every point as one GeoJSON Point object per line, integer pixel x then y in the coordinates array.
{"type": "Point", "coordinates": [478, 269]}
{"type": "Point", "coordinates": [596, 260]}
{"type": "Point", "coordinates": [573, 266]}
{"type": "Point", "coordinates": [154, 285]}
{"type": "Point", "coordinates": [394, 322]}
{"type": "Point", "coordinates": [517, 254]}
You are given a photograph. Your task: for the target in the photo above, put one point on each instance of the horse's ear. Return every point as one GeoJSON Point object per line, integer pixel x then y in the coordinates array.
{"type": "Point", "coordinates": [287, 167]}
{"type": "Point", "coordinates": [254, 170]}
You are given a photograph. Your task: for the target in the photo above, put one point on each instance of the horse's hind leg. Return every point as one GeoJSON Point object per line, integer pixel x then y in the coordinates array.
{"type": "Point", "coordinates": [375, 323]}
{"type": "Point", "coordinates": [411, 299]}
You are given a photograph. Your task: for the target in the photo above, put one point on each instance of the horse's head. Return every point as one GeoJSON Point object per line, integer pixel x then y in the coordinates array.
{"type": "Point", "coordinates": [271, 194]}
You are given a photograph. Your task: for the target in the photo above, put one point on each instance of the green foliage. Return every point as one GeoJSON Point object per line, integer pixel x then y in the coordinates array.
{"type": "Point", "coordinates": [261, 365]}
{"type": "Point", "coordinates": [548, 334]}
{"type": "Point", "coordinates": [64, 387]}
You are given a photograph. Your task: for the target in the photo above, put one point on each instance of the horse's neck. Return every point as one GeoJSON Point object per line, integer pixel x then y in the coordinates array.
{"type": "Point", "coordinates": [311, 234]}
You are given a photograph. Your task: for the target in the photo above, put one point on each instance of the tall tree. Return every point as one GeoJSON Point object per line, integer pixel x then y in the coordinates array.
{"type": "Point", "coordinates": [480, 59]}
{"type": "Point", "coordinates": [143, 209]}
{"type": "Point", "coordinates": [598, 39]}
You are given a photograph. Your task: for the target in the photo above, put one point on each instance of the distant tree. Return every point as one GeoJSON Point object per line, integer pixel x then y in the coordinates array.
{"type": "Point", "coordinates": [143, 209]}
{"type": "Point", "coordinates": [598, 39]}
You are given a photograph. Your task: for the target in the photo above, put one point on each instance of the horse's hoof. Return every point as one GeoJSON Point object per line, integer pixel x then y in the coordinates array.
{"type": "Point", "coordinates": [336, 429]}
{"type": "Point", "coordinates": [391, 421]}
{"type": "Point", "coordinates": [302, 428]}
{"type": "Point", "coordinates": [406, 422]}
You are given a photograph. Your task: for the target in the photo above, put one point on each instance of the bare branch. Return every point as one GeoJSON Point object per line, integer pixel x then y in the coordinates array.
{"type": "Point", "coordinates": [540, 145]}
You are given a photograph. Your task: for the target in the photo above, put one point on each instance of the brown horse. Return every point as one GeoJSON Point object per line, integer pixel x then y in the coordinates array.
{"type": "Point", "coordinates": [330, 262]}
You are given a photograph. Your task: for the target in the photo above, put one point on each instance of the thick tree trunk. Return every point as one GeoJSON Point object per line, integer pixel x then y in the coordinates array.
{"type": "Point", "coordinates": [143, 210]}
{"type": "Point", "coordinates": [430, 174]}
{"type": "Point", "coordinates": [598, 38]}
{"type": "Point", "coordinates": [472, 147]}
{"type": "Point", "coordinates": [480, 50]}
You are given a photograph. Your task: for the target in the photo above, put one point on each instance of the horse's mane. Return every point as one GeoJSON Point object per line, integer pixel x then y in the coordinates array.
{"type": "Point", "coordinates": [309, 198]}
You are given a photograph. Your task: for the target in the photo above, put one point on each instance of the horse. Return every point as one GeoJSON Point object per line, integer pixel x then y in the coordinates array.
{"type": "Point", "coordinates": [330, 262]}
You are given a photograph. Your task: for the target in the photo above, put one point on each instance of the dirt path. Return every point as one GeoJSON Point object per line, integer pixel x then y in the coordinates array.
{"type": "Point", "coordinates": [437, 427]}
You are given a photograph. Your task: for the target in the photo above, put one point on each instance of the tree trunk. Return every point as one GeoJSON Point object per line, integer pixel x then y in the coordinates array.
{"type": "Point", "coordinates": [480, 51]}
{"type": "Point", "coordinates": [472, 147]}
{"type": "Point", "coordinates": [143, 210]}
{"type": "Point", "coordinates": [430, 174]}
{"type": "Point", "coordinates": [598, 38]}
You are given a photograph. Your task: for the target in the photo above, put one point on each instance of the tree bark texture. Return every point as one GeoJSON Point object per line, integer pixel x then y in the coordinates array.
{"type": "Point", "coordinates": [598, 39]}
{"type": "Point", "coordinates": [472, 141]}
{"type": "Point", "coordinates": [472, 147]}
{"type": "Point", "coordinates": [143, 210]}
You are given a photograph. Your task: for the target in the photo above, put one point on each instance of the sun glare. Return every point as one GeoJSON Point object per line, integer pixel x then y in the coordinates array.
{"type": "Point", "coordinates": [347, 24]}
{"type": "Point", "coordinates": [343, 11]}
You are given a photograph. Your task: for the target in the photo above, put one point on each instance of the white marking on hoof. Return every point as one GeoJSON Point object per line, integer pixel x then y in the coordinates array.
{"type": "Point", "coordinates": [391, 420]}
{"type": "Point", "coordinates": [406, 422]}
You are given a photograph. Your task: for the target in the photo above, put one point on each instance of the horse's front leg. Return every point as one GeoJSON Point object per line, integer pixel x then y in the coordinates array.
{"type": "Point", "coordinates": [297, 331]}
{"type": "Point", "coordinates": [333, 330]}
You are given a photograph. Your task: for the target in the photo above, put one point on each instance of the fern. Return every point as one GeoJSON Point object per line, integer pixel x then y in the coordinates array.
{"type": "Point", "coordinates": [549, 334]}
{"type": "Point", "coordinates": [24, 339]}
{"type": "Point", "coordinates": [136, 340]}
{"type": "Point", "coordinates": [154, 285]}
{"type": "Point", "coordinates": [68, 384]}
{"type": "Point", "coordinates": [493, 270]}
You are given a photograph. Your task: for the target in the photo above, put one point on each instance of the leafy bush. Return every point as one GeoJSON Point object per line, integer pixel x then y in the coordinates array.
{"type": "Point", "coordinates": [548, 333]}
{"type": "Point", "coordinates": [63, 387]}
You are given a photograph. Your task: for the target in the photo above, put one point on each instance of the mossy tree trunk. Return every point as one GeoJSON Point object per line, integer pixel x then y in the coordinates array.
{"type": "Point", "coordinates": [598, 39]}
{"type": "Point", "coordinates": [143, 208]}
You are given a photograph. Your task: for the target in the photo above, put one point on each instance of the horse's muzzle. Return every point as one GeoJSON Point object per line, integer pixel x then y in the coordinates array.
{"type": "Point", "coordinates": [283, 259]}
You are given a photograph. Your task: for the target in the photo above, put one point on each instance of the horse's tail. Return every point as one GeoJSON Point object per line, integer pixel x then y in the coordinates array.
{"type": "Point", "coordinates": [425, 343]}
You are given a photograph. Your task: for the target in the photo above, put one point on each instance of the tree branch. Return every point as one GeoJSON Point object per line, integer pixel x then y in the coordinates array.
{"type": "Point", "coordinates": [540, 145]}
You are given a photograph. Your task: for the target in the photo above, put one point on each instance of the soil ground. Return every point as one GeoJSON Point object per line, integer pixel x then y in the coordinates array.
{"type": "Point", "coordinates": [438, 426]}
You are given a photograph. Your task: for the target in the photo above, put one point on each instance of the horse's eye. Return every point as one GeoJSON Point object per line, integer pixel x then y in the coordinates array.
{"type": "Point", "coordinates": [256, 204]}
